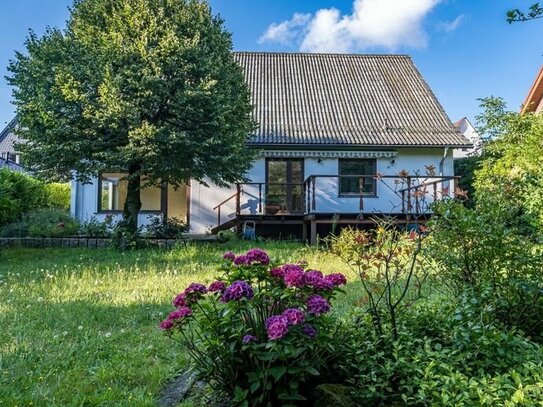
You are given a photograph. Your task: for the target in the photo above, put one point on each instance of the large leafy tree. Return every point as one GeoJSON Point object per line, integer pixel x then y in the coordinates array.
{"type": "Point", "coordinates": [535, 11]}
{"type": "Point", "coordinates": [146, 86]}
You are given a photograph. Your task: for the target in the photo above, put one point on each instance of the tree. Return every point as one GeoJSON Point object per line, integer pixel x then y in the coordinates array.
{"type": "Point", "coordinates": [535, 11]}
{"type": "Point", "coordinates": [146, 86]}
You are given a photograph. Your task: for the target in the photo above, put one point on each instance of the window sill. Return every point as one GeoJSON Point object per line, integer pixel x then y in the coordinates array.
{"type": "Point", "coordinates": [118, 212]}
{"type": "Point", "coordinates": [357, 196]}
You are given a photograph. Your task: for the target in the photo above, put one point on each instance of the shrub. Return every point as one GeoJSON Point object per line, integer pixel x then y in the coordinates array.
{"type": "Point", "coordinates": [16, 229]}
{"type": "Point", "coordinates": [169, 228]}
{"type": "Point", "coordinates": [50, 223]}
{"type": "Point", "coordinates": [261, 333]}
{"type": "Point", "coordinates": [19, 193]}
{"type": "Point", "coordinates": [94, 228]}
{"type": "Point", "coordinates": [58, 196]}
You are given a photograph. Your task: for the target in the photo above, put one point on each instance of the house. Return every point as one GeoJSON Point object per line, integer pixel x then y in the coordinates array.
{"type": "Point", "coordinates": [534, 100]}
{"type": "Point", "coordinates": [340, 137]}
{"type": "Point", "coordinates": [465, 128]}
{"type": "Point", "coordinates": [9, 157]}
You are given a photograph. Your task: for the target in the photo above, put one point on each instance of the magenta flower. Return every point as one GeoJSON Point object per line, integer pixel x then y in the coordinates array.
{"type": "Point", "coordinates": [257, 256]}
{"type": "Point", "coordinates": [294, 316]}
{"type": "Point", "coordinates": [278, 272]}
{"type": "Point", "coordinates": [217, 286]}
{"type": "Point", "coordinates": [294, 277]}
{"type": "Point", "coordinates": [309, 330]}
{"type": "Point", "coordinates": [237, 291]}
{"type": "Point", "coordinates": [336, 279]}
{"type": "Point", "coordinates": [180, 313]}
{"type": "Point", "coordinates": [180, 300]}
{"type": "Point", "coordinates": [323, 284]}
{"type": "Point", "coordinates": [229, 256]}
{"type": "Point", "coordinates": [166, 324]}
{"type": "Point", "coordinates": [291, 267]}
{"type": "Point", "coordinates": [317, 305]}
{"type": "Point", "coordinates": [195, 288]}
{"type": "Point", "coordinates": [248, 338]}
{"type": "Point", "coordinates": [241, 260]}
{"type": "Point", "coordinates": [277, 327]}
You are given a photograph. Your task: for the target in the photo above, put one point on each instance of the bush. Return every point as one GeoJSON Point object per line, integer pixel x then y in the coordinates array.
{"type": "Point", "coordinates": [50, 223]}
{"type": "Point", "coordinates": [261, 334]}
{"type": "Point", "coordinates": [94, 228]}
{"type": "Point", "coordinates": [169, 228]}
{"type": "Point", "coordinates": [17, 229]}
{"type": "Point", "coordinates": [19, 194]}
{"type": "Point", "coordinates": [58, 196]}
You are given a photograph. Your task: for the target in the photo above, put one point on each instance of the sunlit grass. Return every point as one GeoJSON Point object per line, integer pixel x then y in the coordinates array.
{"type": "Point", "coordinates": [79, 326]}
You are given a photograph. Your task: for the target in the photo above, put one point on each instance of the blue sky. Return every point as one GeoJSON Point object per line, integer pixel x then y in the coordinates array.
{"type": "Point", "coordinates": [464, 48]}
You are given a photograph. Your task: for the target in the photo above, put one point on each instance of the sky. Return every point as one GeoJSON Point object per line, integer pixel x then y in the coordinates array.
{"type": "Point", "coordinates": [464, 48]}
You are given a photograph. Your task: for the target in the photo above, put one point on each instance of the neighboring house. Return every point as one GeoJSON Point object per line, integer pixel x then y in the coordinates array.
{"type": "Point", "coordinates": [9, 157]}
{"type": "Point", "coordinates": [335, 133]}
{"type": "Point", "coordinates": [465, 128]}
{"type": "Point", "coordinates": [534, 100]}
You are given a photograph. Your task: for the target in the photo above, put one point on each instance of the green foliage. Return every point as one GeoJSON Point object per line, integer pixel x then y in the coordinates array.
{"type": "Point", "coordinates": [124, 237]}
{"type": "Point", "coordinates": [19, 194]}
{"type": "Point", "coordinates": [535, 11]}
{"type": "Point", "coordinates": [511, 167]}
{"type": "Point", "coordinates": [388, 264]}
{"type": "Point", "coordinates": [49, 222]}
{"type": "Point", "coordinates": [148, 86]}
{"type": "Point", "coordinates": [169, 228]}
{"type": "Point", "coordinates": [240, 339]}
{"type": "Point", "coordinates": [94, 228]}
{"type": "Point", "coordinates": [465, 168]}
{"type": "Point", "coordinates": [16, 229]}
{"type": "Point", "coordinates": [476, 250]}
{"type": "Point", "coordinates": [58, 196]}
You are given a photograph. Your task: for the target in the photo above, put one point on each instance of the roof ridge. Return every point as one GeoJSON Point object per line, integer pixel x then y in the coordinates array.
{"type": "Point", "coordinates": [324, 54]}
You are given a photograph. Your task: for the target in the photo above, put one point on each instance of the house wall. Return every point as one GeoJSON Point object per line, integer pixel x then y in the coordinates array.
{"type": "Point", "coordinates": [204, 199]}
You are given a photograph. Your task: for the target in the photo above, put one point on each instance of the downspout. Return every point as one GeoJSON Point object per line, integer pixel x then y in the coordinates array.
{"type": "Point", "coordinates": [442, 162]}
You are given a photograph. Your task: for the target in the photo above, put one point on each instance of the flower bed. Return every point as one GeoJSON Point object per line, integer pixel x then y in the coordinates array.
{"type": "Point", "coordinates": [262, 332]}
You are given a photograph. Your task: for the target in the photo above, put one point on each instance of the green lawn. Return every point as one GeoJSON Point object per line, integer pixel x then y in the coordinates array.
{"type": "Point", "coordinates": [79, 327]}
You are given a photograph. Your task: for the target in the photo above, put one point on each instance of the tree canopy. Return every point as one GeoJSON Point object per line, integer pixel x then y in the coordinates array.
{"type": "Point", "coordinates": [535, 11]}
{"type": "Point", "coordinates": [147, 86]}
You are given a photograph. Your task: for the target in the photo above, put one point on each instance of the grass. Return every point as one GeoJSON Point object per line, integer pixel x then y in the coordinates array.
{"type": "Point", "coordinates": [78, 327]}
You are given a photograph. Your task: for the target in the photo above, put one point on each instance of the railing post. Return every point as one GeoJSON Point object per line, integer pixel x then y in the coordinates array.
{"type": "Point", "coordinates": [314, 208]}
{"type": "Point", "coordinates": [409, 203]}
{"type": "Point", "coordinates": [219, 216]}
{"type": "Point", "coordinates": [260, 198]}
{"type": "Point", "coordinates": [238, 200]}
{"type": "Point", "coordinates": [361, 190]}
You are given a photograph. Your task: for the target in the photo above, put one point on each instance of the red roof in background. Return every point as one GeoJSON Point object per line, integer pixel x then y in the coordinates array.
{"type": "Point", "coordinates": [535, 95]}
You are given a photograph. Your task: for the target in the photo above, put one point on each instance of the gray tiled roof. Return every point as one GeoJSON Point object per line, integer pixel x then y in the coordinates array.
{"type": "Point", "coordinates": [341, 99]}
{"type": "Point", "coordinates": [8, 138]}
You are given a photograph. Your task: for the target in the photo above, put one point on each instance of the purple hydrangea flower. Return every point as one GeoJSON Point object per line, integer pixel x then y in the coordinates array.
{"type": "Point", "coordinates": [323, 284]}
{"type": "Point", "coordinates": [278, 272]}
{"type": "Point", "coordinates": [249, 338]}
{"type": "Point", "coordinates": [312, 277]}
{"type": "Point", "coordinates": [309, 330]}
{"type": "Point", "coordinates": [166, 324]}
{"type": "Point", "coordinates": [229, 256]}
{"type": "Point", "coordinates": [180, 300]}
{"type": "Point", "coordinates": [241, 260]}
{"type": "Point", "coordinates": [336, 279]}
{"type": "Point", "coordinates": [216, 286]}
{"type": "Point", "coordinates": [195, 288]}
{"type": "Point", "coordinates": [182, 312]}
{"type": "Point", "coordinates": [257, 256]}
{"type": "Point", "coordinates": [294, 316]}
{"type": "Point", "coordinates": [277, 327]}
{"type": "Point", "coordinates": [317, 305]}
{"type": "Point", "coordinates": [294, 277]}
{"type": "Point", "coordinates": [237, 291]}
{"type": "Point", "coordinates": [291, 267]}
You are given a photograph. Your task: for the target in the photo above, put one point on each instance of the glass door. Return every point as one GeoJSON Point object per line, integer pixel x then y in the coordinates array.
{"type": "Point", "coordinates": [284, 186]}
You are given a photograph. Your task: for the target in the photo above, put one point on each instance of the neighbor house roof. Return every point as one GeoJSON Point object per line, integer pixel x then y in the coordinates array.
{"type": "Point", "coordinates": [8, 138]}
{"type": "Point", "coordinates": [341, 99]}
{"type": "Point", "coordinates": [533, 102]}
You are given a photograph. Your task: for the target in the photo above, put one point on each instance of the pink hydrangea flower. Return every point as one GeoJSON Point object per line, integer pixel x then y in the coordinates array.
{"type": "Point", "coordinates": [229, 256]}
{"type": "Point", "coordinates": [317, 305]}
{"type": "Point", "coordinates": [336, 279]}
{"type": "Point", "coordinates": [216, 286]}
{"type": "Point", "coordinates": [294, 277]}
{"type": "Point", "coordinates": [277, 327]}
{"type": "Point", "coordinates": [237, 291]}
{"type": "Point", "coordinates": [258, 256]}
{"type": "Point", "coordinates": [180, 313]}
{"type": "Point", "coordinates": [180, 300]}
{"type": "Point", "coordinates": [166, 324]}
{"type": "Point", "coordinates": [294, 316]}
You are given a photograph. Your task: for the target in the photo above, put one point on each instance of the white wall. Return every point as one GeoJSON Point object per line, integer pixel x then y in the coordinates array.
{"type": "Point", "coordinates": [204, 199]}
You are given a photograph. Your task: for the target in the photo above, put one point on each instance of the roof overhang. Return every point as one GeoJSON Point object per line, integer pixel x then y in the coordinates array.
{"type": "Point", "coordinates": [535, 95]}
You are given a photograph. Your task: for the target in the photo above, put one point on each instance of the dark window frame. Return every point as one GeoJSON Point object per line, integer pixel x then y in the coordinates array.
{"type": "Point", "coordinates": [373, 194]}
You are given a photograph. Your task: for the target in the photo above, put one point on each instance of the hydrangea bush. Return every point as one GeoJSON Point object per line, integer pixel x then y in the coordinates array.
{"type": "Point", "coordinates": [262, 333]}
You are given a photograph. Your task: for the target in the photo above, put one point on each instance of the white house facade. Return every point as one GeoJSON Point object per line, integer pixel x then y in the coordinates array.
{"type": "Point", "coordinates": [340, 137]}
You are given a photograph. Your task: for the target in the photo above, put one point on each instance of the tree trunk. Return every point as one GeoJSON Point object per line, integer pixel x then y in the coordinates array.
{"type": "Point", "coordinates": [132, 205]}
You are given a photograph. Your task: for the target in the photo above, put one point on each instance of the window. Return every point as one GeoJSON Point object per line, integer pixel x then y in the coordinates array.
{"type": "Point", "coordinates": [349, 177]}
{"type": "Point", "coordinates": [113, 189]}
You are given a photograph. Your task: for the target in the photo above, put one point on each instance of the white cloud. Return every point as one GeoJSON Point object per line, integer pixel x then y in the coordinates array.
{"type": "Point", "coordinates": [388, 24]}
{"type": "Point", "coordinates": [287, 31]}
{"type": "Point", "coordinates": [449, 26]}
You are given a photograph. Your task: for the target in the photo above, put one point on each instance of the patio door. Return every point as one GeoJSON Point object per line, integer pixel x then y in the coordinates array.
{"type": "Point", "coordinates": [284, 186]}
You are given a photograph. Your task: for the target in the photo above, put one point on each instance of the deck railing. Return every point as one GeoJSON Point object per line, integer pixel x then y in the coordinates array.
{"type": "Point", "coordinates": [392, 194]}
